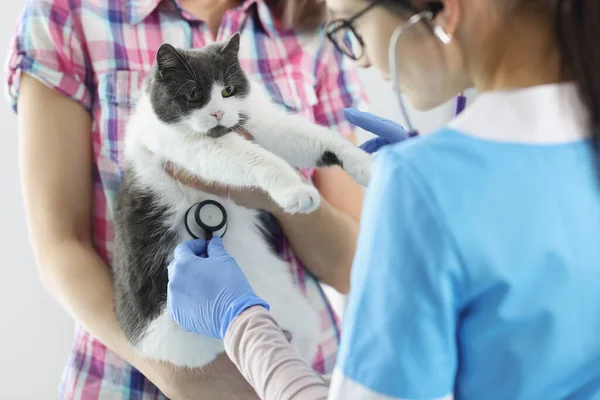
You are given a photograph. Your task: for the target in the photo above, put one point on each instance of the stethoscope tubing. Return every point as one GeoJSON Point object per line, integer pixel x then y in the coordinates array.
{"type": "Point", "coordinates": [461, 100]}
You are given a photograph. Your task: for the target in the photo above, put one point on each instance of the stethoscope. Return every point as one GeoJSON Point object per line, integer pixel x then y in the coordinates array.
{"type": "Point", "coordinates": [461, 100]}
{"type": "Point", "coordinates": [206, 219]}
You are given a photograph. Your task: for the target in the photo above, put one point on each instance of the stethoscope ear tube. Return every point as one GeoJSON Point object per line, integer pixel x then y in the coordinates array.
{"type": "Point", "coordinates": [461, 100]}
{"type": "Point", "coordinates": [393, 62]}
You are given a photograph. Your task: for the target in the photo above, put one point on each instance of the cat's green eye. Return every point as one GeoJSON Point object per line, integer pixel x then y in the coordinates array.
{"type": "Point", "coordinates": [228, 91]}
{"type": "Point", "coordinates": [194, 96]}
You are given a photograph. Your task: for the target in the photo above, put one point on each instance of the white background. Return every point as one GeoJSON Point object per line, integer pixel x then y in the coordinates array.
{"type": "Point", "coordinates": [35, 334]}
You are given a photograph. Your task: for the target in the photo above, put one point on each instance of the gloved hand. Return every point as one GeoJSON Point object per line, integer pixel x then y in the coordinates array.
{"type": "Point", "coordinates": [388, 132]}
{"type": "Point", "coordinates": [207, 289]}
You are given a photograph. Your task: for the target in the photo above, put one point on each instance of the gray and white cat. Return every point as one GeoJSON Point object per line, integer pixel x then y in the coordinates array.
{"type": "Point", "coordinates": [191, 105]}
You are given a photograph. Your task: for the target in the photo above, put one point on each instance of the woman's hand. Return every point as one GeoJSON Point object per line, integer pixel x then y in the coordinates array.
{"type": "Point", "coordinates": [207, 289]}
{"type": "Point", "coordinates": [246, 197]}
{"type": "Point", "coordinates": [254, 198]}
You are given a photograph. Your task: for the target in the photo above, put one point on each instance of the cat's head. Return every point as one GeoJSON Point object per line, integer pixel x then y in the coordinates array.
{"type": "Point", "coordinates": [201, 90]}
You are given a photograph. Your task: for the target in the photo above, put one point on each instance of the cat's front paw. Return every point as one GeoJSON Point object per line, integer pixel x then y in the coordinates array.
{"type": "Point", "coordinates": [357, 164]}
{"type": "Point", "coordinates": [298, 199]}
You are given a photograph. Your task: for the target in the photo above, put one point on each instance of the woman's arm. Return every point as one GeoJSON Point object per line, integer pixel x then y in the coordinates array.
{"type": "Point", "coordinates": [278, 373]}
{"type": "Point", "coordinates": [325, 240]}
{"type": "Point", "coordinates": [340, 190]}
{"type": "Point", "coordinates": [56, 165]}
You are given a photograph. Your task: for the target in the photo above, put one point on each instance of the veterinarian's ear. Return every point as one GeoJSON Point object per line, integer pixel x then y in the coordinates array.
{"type": "Point", "coordinates": [233, 45]}
{"type": "Point", "coordinates": [167, 57]}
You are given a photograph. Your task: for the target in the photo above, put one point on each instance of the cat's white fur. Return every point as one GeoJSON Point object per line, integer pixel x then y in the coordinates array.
{"type": "Point", "coordinates": [280, 142]}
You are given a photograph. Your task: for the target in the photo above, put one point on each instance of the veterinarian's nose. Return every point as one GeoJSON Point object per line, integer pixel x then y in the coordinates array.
{"type": "Point", "coordinates": [218, 115]}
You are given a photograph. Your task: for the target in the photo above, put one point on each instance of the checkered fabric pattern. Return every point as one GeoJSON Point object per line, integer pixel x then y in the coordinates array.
{"type": "Point", "coordinates": [98, 53]}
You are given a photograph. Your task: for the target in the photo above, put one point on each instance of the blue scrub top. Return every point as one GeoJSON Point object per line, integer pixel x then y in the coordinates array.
{"type": "Point", "coordinates": [477, 273]}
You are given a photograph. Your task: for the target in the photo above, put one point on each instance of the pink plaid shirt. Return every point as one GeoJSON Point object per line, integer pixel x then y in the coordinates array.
{"type": "Point", "coordinates": [98, 52]}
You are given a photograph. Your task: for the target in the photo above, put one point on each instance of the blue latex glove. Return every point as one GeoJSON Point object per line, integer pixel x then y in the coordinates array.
{"type": "Point", "coordinates": [207, 289]}
{"type": "Point", "coordinates": [388, 132]}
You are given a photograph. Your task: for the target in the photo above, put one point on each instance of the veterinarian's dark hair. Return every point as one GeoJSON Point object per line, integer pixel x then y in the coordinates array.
{"type": "Point", "coordinates": [577, 32]}
{"type": "Point", "coordinates": [299, 14]}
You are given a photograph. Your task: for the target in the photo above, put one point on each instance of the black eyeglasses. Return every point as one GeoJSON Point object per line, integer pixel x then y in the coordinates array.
{"type": "Point", "coordinates": [342, 34]}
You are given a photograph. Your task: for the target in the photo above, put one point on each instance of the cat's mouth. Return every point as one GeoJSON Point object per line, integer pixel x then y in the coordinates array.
{"type": "Point", "coordinates": [218, 131]}
{"type": "Point", "coordinates": [221, 130]}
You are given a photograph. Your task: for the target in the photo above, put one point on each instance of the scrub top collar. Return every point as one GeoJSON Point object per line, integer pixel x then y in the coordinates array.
{"type": "Point", "coordinates": [545, 114]}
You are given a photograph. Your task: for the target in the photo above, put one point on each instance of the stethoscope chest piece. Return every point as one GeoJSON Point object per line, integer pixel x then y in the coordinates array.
{"type": "Point", "coordinates": [206, 219]}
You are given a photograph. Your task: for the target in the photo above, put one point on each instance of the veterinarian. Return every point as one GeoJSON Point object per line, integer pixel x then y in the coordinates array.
{"type": "Point", "coordinates": [477, 271]}
{"type": "Point", "coordinates": [74, 71]}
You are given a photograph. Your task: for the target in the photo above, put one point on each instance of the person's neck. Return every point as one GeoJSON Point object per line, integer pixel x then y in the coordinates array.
{"type": "Point", "coordinates": [522, 58]}
{"type": "Point", "coordinates": [209, 11]}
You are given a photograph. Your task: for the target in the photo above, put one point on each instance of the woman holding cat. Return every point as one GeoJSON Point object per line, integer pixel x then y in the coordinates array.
{"type": "Point", "coordinates": [73, 73]}
{"type": "Point", "coordinates": [478, 263]}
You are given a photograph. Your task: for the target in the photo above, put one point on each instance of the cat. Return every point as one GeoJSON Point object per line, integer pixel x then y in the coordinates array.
{"type": "Point", "coordinates": [192, 105]}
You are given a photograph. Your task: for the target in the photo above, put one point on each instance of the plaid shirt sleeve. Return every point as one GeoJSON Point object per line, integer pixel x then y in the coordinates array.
{"type": "Point", "coordinates": [46, 45]}
{"type": "Point", "coordinates": [338, 87]}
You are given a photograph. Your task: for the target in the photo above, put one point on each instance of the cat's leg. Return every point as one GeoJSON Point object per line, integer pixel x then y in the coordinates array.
{"type": "Point", "coordinates": [233, 160]}
{"type": "Point", "coordinates": [164, 340]}
{"type": "Point", "coordinates": [305, 144]}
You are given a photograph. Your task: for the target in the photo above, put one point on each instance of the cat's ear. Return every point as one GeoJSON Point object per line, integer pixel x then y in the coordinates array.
{"type": "Point", "coordinates": [167, 57]}
{"type": "Point", "coordinates": [232, 47]}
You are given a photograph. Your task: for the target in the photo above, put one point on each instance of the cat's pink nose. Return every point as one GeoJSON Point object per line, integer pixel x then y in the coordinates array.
{"type": "Point", "coordinates": [218, 115]}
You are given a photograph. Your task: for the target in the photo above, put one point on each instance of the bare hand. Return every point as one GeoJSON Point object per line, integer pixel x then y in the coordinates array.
{"type": "Point", "coordinates": [247, 197]}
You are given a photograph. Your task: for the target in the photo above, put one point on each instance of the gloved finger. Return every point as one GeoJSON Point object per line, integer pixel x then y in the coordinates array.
{"type": "Point", "coordinates": [191, 248]}
{"type": "Point", "coordinates": [375, 124]}
{"type": "Point", "coordinates": [171, 270]}
{"type": "Point", "coordinates": [216, 247]}
{"type": "Point", "coordinates": [384, 128]}
{"type": "Point", "coordinates": [373, 145]}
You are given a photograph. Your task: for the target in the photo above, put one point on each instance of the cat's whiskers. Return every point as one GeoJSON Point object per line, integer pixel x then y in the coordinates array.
{"type": "Point", "coordinates": [189, 67]}
{"type": "Point", "coordinates": [182, 86]}
{"type": "Point", "coordinates": [227, 70]}
{"type": "Point", "coordinates": [171, 181]}
{"type": "Point", "coordinates": [231, 82]}
{"type": "Point", "coordinates": [189, 135]}
{"type": "Point", "coordinates": [177, 172]}
{"type": "Point", "coordinates": [234, 74]}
